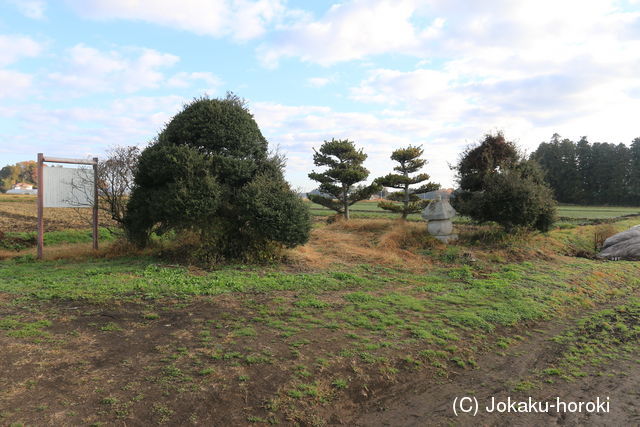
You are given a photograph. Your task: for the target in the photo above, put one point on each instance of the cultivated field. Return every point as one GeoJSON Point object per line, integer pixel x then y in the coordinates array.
{"type": "Point", "coordinates": [596, 212]}
{"type": "Point", "coordinates": [370, 209]}
{"type": "Point", "coordinates": [18, 213]}
{"type": "Point", "coordinates": [372, 321]}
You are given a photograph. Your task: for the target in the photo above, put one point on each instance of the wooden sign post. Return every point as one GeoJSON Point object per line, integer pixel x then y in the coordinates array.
{"type": "Point", "coordinates": [41, 196]}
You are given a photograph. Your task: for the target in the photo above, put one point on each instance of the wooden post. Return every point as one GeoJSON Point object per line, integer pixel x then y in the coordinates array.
{"type": "Point", "coordinates": [41, 160]}
{"type": "Point", "coordinates": [40, 205]}
{"type": "Point", "coordinates": [95, 204]}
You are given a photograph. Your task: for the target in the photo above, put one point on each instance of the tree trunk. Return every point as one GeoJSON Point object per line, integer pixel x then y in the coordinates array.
{"type": "Point", "coordinates": [406, 198]}
{"type": "Point", "coordinates": [345, 202]}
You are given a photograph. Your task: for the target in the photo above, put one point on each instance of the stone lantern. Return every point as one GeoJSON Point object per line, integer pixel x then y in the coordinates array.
{"type": "Point", "coordinates": [438, 215]}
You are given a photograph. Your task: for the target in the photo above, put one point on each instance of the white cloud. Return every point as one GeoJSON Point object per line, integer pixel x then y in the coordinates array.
{"type": "Point", "coordinates": [348, 31]}
{"type": "Point", "coordinates": [33, 9]}
{"type": "Point", "coordinates": [318, 81]}
{"type": "Point", "coordinates": [572, 98]}
{"type": "Point", "coordinates": [445, 110]}
{"type": "Point", "coordinates": [531, 70]}
{"type": "Point", "coordinates": [390, 86]}
{"type": "Point", "coordinates": [299, 129]}
{"type": "Point", "coordinates": [528, 68]}
{"type": "Point", "coordinates": [13, 83]}
{"type": "Point", "coordinates": [126, 70]}
{"type": "Point", "coordinates": [241, 19]}
{"type": "Point", "coordinates": [78, 132]}
{"type": "Point", "coordinates": [87, 70]}
{"type": "Point", "coordinates": [15, 47]}
{"type": "Point", "coordinates": [185, 80]}
{"type": "Point", "coordinates": [12, 49]}
{"type": "Point", "coordinates": [428, 29]}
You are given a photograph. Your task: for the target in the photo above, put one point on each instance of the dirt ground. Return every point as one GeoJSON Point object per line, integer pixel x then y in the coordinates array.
{"type": "Point", "coordinates": [430, 403]}
{"type": "Point", "coordinates": [136, 369]}
{"type": "Point", "coordinates": [221, 361]}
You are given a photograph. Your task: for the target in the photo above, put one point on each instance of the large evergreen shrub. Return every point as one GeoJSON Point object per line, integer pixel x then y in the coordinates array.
{"type": "Point", "coordinates": [497, 184]}
{"type": "Point", "coordinates": [209, 171]}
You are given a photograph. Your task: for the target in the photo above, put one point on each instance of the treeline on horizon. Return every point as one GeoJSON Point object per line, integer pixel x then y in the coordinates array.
{"type": "Point", "coordinates": [582, 172]}
{"type": "Point", "coordinates": [587, 173]}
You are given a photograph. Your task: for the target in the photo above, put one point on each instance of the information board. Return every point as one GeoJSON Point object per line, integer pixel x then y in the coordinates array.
{"type": "Point", "coordinates": [68, 187]}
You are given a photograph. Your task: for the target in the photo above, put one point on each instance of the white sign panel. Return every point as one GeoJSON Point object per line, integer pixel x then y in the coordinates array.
{"type": "Point", "coordinates": [67, 187]}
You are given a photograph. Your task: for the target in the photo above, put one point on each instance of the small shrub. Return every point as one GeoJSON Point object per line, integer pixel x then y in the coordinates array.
{"type": "Point", "coordinates": [601, 233]}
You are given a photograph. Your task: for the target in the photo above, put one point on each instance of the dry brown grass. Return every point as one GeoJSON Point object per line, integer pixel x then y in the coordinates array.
{"type": "Point", "coordinates": [571, 240]}
{"type": "Point", "coordinates": [66, 251]}
{"type": "Point", "coordinates": [361, 225]}
{"type": "Point", "coordinates": [601, 233]}
{"type": "Point", "coordinates": [408, 236]}
{"type": "Point", "coordinates": [384, 242]}
{"type": "Point", "coordinates": [19, 213]}
{"type": "Point", "coordinates": [79, 251]}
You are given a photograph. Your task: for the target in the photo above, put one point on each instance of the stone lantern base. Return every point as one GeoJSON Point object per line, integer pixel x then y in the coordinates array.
{"type": "Point", "coordinates": [449, 238]}
{"type": "Point", "coordinates": [440, 227]}
{"type": "Point", "coordinates": [438, 215]}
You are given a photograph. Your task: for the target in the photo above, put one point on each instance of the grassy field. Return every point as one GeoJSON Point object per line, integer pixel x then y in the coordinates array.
{"type": "Point", "coordinates": [596, 212]}
{"type": "Point", "coordinates": [18, 213]}
{"type": "Point", "coordinates": [370, 209]}
{"type": "Point", "coordinates": [128, 337]}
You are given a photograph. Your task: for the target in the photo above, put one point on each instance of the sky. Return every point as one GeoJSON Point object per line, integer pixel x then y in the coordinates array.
{"type": "Point", "coordinates": [80, 76]}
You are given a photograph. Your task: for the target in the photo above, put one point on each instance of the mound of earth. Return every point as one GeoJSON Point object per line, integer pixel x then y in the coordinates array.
{"type": "Point", "coordinates": [624, 245]}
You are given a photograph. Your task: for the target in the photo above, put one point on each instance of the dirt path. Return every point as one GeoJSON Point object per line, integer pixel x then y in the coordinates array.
{"type": "Point", "coordinates": [498, 376]}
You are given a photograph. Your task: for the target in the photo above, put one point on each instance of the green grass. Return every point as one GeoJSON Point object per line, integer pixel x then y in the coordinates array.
{"type": "Point", "coordinates": [329, 332]}
{"type": "Point", "coordinates": [17, 198]}
{"type": "Point", "coordinates": [596, 212]}
{"type": "Point", "coordinates": [360, 210]}
{"type": "Point", "coordinates": [602, 336]}
{"type": "Point", "coordinates": [371, 210]}
{"type": "Point", "coordinates": [365, 318]}
{"type": "Point", "coordinates": [52, 238]}
{"type": "Point", "coordinates": [340, 383]}
{"type": "Point", "coordinates": [24, 329]}
{"type": "Point", "coordinates": [373, 305]}
{"type": "Point", "coordinates": [104, 279]}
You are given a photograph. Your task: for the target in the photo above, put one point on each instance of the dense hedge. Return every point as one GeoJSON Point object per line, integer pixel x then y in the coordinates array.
{"type": "Point", "coordinates": [209, 171]}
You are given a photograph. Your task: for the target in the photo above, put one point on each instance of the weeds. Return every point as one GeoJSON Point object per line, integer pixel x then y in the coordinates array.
{"type": "Point", "coordinates": [328, 330]}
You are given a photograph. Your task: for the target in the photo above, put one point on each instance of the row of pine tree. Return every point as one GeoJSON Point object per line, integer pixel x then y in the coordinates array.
{"type": "Point", "coordinates": [591, 173]}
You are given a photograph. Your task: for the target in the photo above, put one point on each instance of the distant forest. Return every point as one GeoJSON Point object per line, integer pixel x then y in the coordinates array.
{"type": "Point", "coordinates": [587, 173]}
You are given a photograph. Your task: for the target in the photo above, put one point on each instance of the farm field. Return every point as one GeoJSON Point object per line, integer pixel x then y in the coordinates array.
{"type": "Point", "coordinates": [364, 209]}
{"type": "Point", "coordinates": [596, 212]}
{"type": "Point", "coordinates": [18, 213]}
{"type": "Point", "coordinates": [369, 315]}
{"type": "Point", "coordinates": [370, 209]}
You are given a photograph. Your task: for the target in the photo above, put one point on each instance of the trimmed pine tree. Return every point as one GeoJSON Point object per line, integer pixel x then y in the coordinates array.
{"type": "Point", "coordinates": [410, 162]}
{"type": "Point", "coordinates": [338, 182]}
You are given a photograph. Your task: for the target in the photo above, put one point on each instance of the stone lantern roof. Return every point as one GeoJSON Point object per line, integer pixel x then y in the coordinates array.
{"type": "Point", "coordinates": [438, 210]}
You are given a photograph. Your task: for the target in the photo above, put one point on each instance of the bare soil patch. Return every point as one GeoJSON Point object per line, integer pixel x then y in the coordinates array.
{"type": "Point", "coordinates": [507, 375]}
